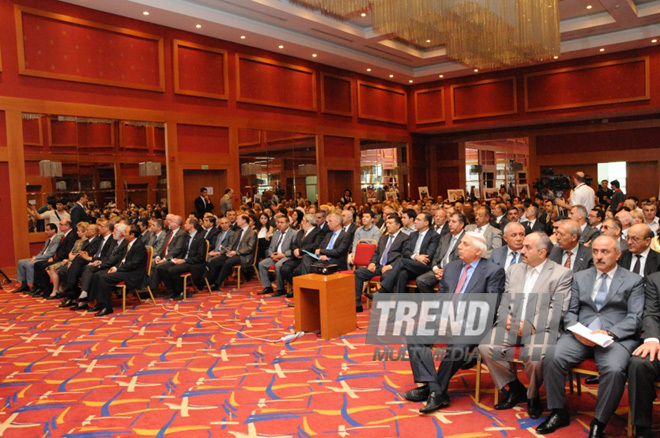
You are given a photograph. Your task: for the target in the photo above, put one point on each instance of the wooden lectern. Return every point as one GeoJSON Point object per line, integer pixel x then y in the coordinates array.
{"type": "Point", "coordinates": [325, 302]}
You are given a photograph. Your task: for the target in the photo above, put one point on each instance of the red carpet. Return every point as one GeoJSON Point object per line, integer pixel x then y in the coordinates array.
{"type": "Point", "coordinates": [155, 372]}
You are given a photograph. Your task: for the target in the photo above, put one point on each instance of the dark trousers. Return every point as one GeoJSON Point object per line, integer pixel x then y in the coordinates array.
{"type": "Point", "coordinates": [41, 277]}
{"type": "Point", "coordinates": [423, 367]}
{"type": "Point", "coordinates": [73, 274]}
{"type": "Point", "coordinates": [105, 284]}
{"type": "Point", "coordinates": [214, 265]}
{"type": "Point", "coordinates": [402, 271]}
{"type": "Point", "coordinates": [288, 268]}
{"type": "Point", "coordinates": [173, 281]}
{"type": "Point", "coordinates": [158, 272]}
{"type": "Point", "coordinates": [362, 275]}
{"type": "Point", "coordinates": [642, 374]}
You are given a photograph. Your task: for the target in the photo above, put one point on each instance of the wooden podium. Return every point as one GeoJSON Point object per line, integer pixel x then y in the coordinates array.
{"type": "Point", "coordinates": [325, 302]}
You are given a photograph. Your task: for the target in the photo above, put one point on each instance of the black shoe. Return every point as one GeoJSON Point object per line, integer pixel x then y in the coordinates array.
{"type": "Point", "coordinates": [266, 290]}
{"type": "Point", "coordinates": [436, 400]}
{"type": "Point", "coordinates": [103, 312]}
{"type": "Point", "coordinates": [591, 380]}
{"type": "Point", "coordinates": [53, 297]}
{"type": "Point", "coordinates": [643, 432]}
{"type": "Point", "coordinates": [279, 293]}
{"type": "Point", "coordinates": [359, 308]}
{"type": "Point", "coordinates": [558, 418]}
{"type": "Point", "coordinates": [289, 304]}
{"type": "Point", "coordinates": [289, 294]}
{"type": "Point", "coordinates": [534, 408]}
{"type": "Point", "coordinates": [419, 394]}
{"type": "Point", "coordinates": [36, 290]}
{"type": "Point", "coordinates": [84, 306]}
{"type": "Point", "coordinates": [597, 429]}
{"type": "Point", "coordinates": [97, 308]}
{"type": "Point", "coordinates": [177, 297]}
{"type": "Point", "coordinates": [23, 288]}
{"type": "Point", "coordinates": [368, 295]}
{"type": "Point", "coordinates": [511, 400]}
{"type": "Point", "coordinates": [67, 303]}
{"type": "Point", "coordinates": [470, 363]}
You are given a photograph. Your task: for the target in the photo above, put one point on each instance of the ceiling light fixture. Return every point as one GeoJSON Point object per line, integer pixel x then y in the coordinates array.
{"type": "Point", "coordinates": [602, 49]}
{"type": "Point", "coordinates": [654, 41]}
{"type": "Point", "coordinates": [281, 46]}
{"type": "Point", "coordinates": [198, 26]}
{"type": "Point", "coordinates": [589, 6]}
{"type": "Point", "coordinates": [391, 76]}
{"type": "Point", "coordinates": [242, 37]}
{"type": "Point", "coordinates": [428, 41]}
{"type": "Point", "coordinates": [481, 34]}
{"type": "Point", "coordinates": [145, 13]}
{"type": "Point", "coordinates": [314, 55]}
{"type": "Point", "coordinates": [368, 69]}
{"type": "Point", "coordinates": [476, 70]}
{"type": "Point", "coordinates": [555, 57]}
{"type": "Point", "coordinates": [364, 14]}
{"type": "Point", "coordinates": [441, 76]}
{"type": "Point", "coordinates": [411, 81]}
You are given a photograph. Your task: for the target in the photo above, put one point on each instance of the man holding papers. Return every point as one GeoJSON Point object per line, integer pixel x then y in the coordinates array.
{"type": "Point", "coordinates": [609, 300]}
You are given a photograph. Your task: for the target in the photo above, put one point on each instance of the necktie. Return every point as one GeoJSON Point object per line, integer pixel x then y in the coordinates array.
{"type": "Point", "coordinates": [190, 239]}
{"type": "Point", "coordinates": [638, 264]}
{"type": "Point", "coordinates": [530, 280]}
{"type": "Point", "coordinates": [568, 260]}
{"type": "Point", "coordinates": [100, 250]}
{"type": "Point", "coordinates": [383, 259]}
{"type": "Point", "coordinates": [514, 258]}
{"type": "Point", "coordinates": [461, 281]}
{"type": "Point", "coordinates": [130, 245]}
{"type": "Point", "coordinates": [43, 251]}
{"type": "Point", "coordinates": [279, 241]}
{"type": "Point", "coordinates": [445, 260]}
{"type": "Point", "coordinates": [221, 239]}
{"type": "Point", "coordinates": [599, 299]}
{"type": "Point", "coordinates": [155, 240]}
{"type": "Point", "coordinates": [167, 245]}
{"type": "Point", "coordinates": [332, 241]}
{"type": "Point", "coordinates": [234, 247]}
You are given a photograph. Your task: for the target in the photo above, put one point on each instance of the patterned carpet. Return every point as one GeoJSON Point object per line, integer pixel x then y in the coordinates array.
{"type": "Point", "coordinates": [172, 371]}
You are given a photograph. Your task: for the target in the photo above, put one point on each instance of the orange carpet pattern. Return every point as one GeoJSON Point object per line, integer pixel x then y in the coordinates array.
{"type": "Point", "coordinates": [194, 369]}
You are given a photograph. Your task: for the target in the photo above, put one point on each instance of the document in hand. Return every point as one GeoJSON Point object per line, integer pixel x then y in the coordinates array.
{"type": "Point", "coordinates": [585, 332]}
{"type": "Point", "coordinates": [311, 254]}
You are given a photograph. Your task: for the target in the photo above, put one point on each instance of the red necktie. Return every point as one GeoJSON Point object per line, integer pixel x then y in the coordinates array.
{"type": "Point", "coordinates": [461, 281]}
{"type": "Point", "coordinates": [166, 245]}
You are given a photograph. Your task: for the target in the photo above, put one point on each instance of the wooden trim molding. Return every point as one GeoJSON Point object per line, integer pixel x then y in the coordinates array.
{"type": "Point", "coordinates": [20, 11]}
{"type": "Point", "coordinates": [298, 68]}
{"type": "Point", "coordinates": [351, 97]}
{"type": "Point", "coordinates": [441, 118]}
{"type": "Point", "coordinates": [514, 101]}
{"type": "Point", "coordinates": [645, 96]}
{"type": "Point", "coordinates": [175, 62]}
{"type": "Point", "coordinates": [398, 91]}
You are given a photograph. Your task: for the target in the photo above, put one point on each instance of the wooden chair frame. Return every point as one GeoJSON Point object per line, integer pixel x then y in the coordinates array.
{"type": "Point", "coordinates": [122, 285]}
{"type": "Point", "coordinates": [187, 275]}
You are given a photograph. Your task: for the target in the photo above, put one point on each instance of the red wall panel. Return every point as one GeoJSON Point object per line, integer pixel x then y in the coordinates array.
{"type": "Point", "coordinates": [598, 141]}
{"type": "Point", "coordinates": [159, 138]}
{"type": "Point", "coordinates": [447, 179]}
{"type": "Point", "coordinates": [95, 134]}
{"type": "Point", "coordinates": [62, 47]}
{"type": "Point", "coordinates": [200, 70]}
{"type": "Point", "coordinates": [249, 137]}
{"type": "Point", "coordinates": [339, 147]}
{"type": "Point", "coordinates": [3, 129]}
{"type": "Point", "coordinates": [605, 83]}
{"type": "Point", "coordinates": [376, 102]}
{"type": "Point", "coordinates": [484, 98]}
{"type": "Point", "coordinates": [272, 83]}
{"type": "Point", "coordinates": [63, 133]}
{"type": "Point", "coordinates": [337, 95]}
{"type": "Point", "coordinates": [7, 253]}
{"type": "Point", "coordinates": [203, 139]}
{"type": "Point", "coordinates": [134, 136]}
{"type": "Point", "coordinates": [429, 105]}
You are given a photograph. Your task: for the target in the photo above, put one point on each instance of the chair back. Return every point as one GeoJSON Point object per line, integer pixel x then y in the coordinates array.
{"type": "Point", "coordinates": [150, 251]}
{"type": "Point", "coordinates": [364, 250]}
{"type": "Point", "coordinates": [207, 250]}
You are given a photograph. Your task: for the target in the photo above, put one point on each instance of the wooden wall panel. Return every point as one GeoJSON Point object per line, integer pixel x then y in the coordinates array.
{"type": "Point", "coordinates": [448, 178]}
{"type": "Point", "coordinates": [7, 253]}
{"type": "Point", "coordinates": [96, 134]}
{"type": "Point", "coordinates": [267, 82]}
{"type": "Point", "coordinates": [429, 106]}
{"type": "Point", "coordinates": [489, 98]}
{"type": "Point", "coordinates": [385, 104]}
{"type": "Point", "coordinates": [62, 47]}
{"type": "Point", "coordinates": [624, 139]}
{"type": "Point", "coordinates": [3, 130]}
{"type": "Point", "coordinates": [339, 147]}
{"type": "Point", "coordinates": [62, 132]}
{"type": "Point", "coordinates": [33, 133]}
{"type": "Point", "coordinates": [203, 139]}
{"type": "Point", "coordinates": [596, 84]}
{"type": "Point", "coordinates": [200, 70]}
{"type": "Point", "coordinates": [159, 138]}
{"type": "Point", "coordinates": [642, 180]}
{"type": "Point", "coordinates": [249, 137]}
{"type": "Point", "coordinates": [336, 95]}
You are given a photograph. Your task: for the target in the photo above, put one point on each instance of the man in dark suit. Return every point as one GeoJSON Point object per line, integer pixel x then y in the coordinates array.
{"type": "Point", "coordinates": [42, 286]}
{"type": "Point", "coordinates": [587, 233]}
{"type": "Point", "coordinates": [389, 249]}
{"type": "Point", "coordinates": [175, 247]}
{"type": "Point", "coordinates": [348, 224]}
{"type": "Point", "coordinates": [308, 239]}
{"type": "Point", "coordinates": [509, 254]}
{"type": "Point", "coordinates": [145, 234]}
{"type": "Point", "coordinates": [210, 232]}
{"type": "Point", "coordinates": [241, 250]}
{"type": "Point", "coordinates": [321, 221]}
{"type": "Point", "coordinates": [639, 258]}
{"type": "Point", "coordinates": [78, 212]}
{"type": "Point", "coordinates": [569, 252]}
{"type": "Point", "coordinates": [131, 269]}
{"type": "Point", "coordinates": [609, 300]}
{"type": "Point", "coordinates": [482, 225]}
{"type": "Point", "coordinates": [499, 219]}
{"type": "Point", "coordinates": [193, 261]}
{"type": "Point", "coordinates": [445, 252]}
{"type": "Point", "coordinates": [470, 274]}
{"type": "Point", "coordinates": [203, 204]}
{"type": "Point", "coordinates": [533, 223]}
{"type": "Point", "coordinates": [644, 367]}
{"type": "Point", "coordinates": [415, 259]}
{"type": "Point", "coordinates": [440, 223]}
{"type": "Point", "coordinates": [333, 249]}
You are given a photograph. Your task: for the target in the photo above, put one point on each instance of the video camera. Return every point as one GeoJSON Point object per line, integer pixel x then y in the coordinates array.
{"type": "Point", "coordinates": [556, 183]}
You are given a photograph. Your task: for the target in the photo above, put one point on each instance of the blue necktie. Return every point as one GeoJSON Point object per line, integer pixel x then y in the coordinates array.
{"type": "Point", "coordinates": [332, 240]}
{"type": "Point", "coordinates": [383, 259]}
{"type": "Point", "coordinates": [599, 299]}
{"type": "Point", "coordinates": [514, 258]}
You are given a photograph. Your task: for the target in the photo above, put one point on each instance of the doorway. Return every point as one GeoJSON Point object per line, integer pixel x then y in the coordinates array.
{"type": "Point", "coordinates": [215, 182]}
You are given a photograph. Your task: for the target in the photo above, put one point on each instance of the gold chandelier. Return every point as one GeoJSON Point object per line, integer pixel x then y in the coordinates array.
{"type": "Point", "coordinates": [477, 33]}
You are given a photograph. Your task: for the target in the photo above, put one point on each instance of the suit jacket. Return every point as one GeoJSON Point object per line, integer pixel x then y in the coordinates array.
{"type": "Point", "coordinates": [45, 254]}
{"type": "Point", "coordinates": [145, 237]}
{"type": "Point", "coordinates": [196, 255]}
{"type": "Point", "coordinates": [498, 256]}
{"type": "Point", "coordinates": [324, 227]}
{"type": "Point", "coordinates": [246, 247]}
{"type": "Point", "coordinates": [287, 242]}
{"type": "Point", "coordinates": [651, 318]}
{"type": "Point", "coordinates": [622, 311]}
{"type": "Point", "coordinates": [78, 214]}
{"type": "Point", "coordinates": [492, 235]}
{"type": "Point", "coordinates": [115, 256]}
{"type": "Point", "coordinates": [395, 250]}
{"type": "Point", "coordinates": [554, 280]}
{"type": "Point", "coordinates": [487, 278]}
{"type": "Point", "coordinates": [538, 226]}
{"type": "Point", "coordinates": [201, 208]}
{"type": "Point", "coordinates": [443, 247]}
{"type": "Point", "coordinates": [309, 243]}
{"type": "Point", "coordinates": [212, 236]}
{"type": "Point", "coordinates": [429, 244]}
{"type": "Point", "coordinates": [65, 246]}
{"type": "Point", "coordinates": [351, 230]}
{"type": "Point", "coordinates": [444, 230]}
{"type": "Point", "coordinates": [177, 247]}
{"type": "Point", "coordinates": [134, 264]}
{"type": "Point", "coordinates": [652, 262]}
{"type": "Point", "coordinates": [501, 224]}
{"type": "Point", "coordinates": [158, 245]}
{"type": "Point", "coordinates": [92, 245]}
{"type": "Point", "coordinates": [589, 234]}
{"type": "Point", "coordinates": [584, 258]}
{"type": "Point", "coordinates": [340, 248]}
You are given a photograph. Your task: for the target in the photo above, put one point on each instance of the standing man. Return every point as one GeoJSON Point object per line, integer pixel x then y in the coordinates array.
{"type": "Point", "coordinates": [277, 254]}
{"type": "Point", "coordinates": [582, 194]}
{"type": "Point", "coordinates": [25, 267]}
{"type": "Point", "coordinates": [618, 197]}
{"type": "Point", "coordinates": [526, 283]}
{"type": "Point", "coordinates": [608, 300]}
{"type": "Point", "coordinates": [78, 212]}
{"type": "Point", "coordinates": [470, 274]}
{"type": "Point", "coordinates": [604, 194]}
{"type": "Point", "coordinates": [482, 226]}
{"type": "Point", "coordinates": [203, 203]}
{"type": "Point", "coordinates": [226, 202]}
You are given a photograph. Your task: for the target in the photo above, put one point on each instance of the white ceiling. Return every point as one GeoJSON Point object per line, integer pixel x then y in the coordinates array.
{"type": "Point", "coordinates": [614, 25]}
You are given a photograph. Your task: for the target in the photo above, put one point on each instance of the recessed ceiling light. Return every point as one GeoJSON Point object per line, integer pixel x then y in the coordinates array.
{"type": "Point", "coordinates": [364, 14]}
{"type": "Point", "coordinates": [314, 55]}
{"type": "Point", "coordinates": [368, 69]}
{"type": "Point", "coordinates": [654, 41]}
{"type": "Point", "coordinates": [476, 70]}
{"type": "Point", "coordinates": [555, 57]}
{"type": "Point", "coordinates": [589, 6]}
{"type": "Point", "coordinates": [428, 41]}
{"type": "Point", "coordinates": [242, 37]}
{"type": "Point", "coordinates": [145, 13]}
{"type": "Point", "coordinates": [391, 76]}
{"type": "Point", "coordinates": [281, 46]}
{"type": "Point", "coordinates": [441, 76]}
{"type": "Point", "coordinates": [198, 26]}
{"type": "Point", "coordinates": [602, 49]}
{"type": "Point", "coordinates": [411, 81]}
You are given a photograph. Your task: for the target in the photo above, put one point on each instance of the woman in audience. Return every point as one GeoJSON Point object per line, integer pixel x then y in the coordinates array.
{"type": "Point", "coordinates": [264, 233]}
{"type": "Point", "coordinates": [56, 269]}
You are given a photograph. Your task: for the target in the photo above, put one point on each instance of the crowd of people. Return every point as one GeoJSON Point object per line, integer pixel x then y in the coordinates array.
{"type": "Point", "coordinates": [595, 254]}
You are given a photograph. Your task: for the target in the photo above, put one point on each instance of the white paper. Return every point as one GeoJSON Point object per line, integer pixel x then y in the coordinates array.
{"type": "Point", "coordinates": [585, 332]}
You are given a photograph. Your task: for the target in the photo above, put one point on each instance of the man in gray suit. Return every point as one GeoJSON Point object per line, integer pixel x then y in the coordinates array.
{"type": "Point", "coordinates": [612, 227]}
{"type": "Point", "coordinates": [176, 246]}
{"type": "Point", "coordinates": [482, 226]}
{"type": "Point", "coordinates": [639, 257]}
{"type": "Point", "coordinates": [277, 254]}
{"type": "Point", "coordinates": [241, 250]}
{"type": "Point", "coordinates": [509, 254]}
{"type": "Point", "coordinates": [608, 300]}
{"type": "Point", "coordinates": [587, 233]}
{"type": "Point", "coordinates": [528, 287]}
{"type": "Point", "coordinates": [569, 252]}
{"type": "Point", "coordinates": [25, 267]}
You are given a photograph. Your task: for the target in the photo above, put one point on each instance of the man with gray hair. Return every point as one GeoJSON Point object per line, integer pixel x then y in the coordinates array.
{"type": "Point", "coordinates": [536, 288]}
{"type": "Point", "coordinates": [25, 267]}
{"type": "Point", "coordinates": [587, 233]}
{"type": "Point", "coordinates": [626, 222]}
{"type": "Point", "coordinates": [569, 252]}
{"type": "Point", "coordinates": [333, 249]}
